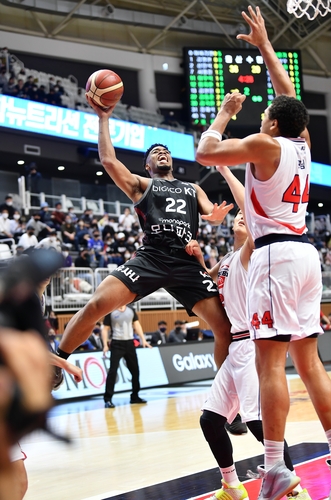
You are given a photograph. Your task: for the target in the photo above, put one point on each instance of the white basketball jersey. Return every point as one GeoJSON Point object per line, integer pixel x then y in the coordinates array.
{"type": "Point", "coordinates": [231, 284]}
{"type": "Point", "coordinates": [279, 204]}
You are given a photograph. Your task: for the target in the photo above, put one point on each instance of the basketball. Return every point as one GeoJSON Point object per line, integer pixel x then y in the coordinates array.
{"type": "Point", "coordinates": [105, 88]}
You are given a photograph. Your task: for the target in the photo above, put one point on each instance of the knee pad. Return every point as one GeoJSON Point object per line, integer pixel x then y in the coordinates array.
{"type": "Point", "coordinates": [212, 425]}
{"type": "Point", "coordinates": [255, 426]}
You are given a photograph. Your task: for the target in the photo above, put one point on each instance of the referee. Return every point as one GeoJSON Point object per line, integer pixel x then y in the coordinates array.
{"type": "Point", "coordinates": [122, 323]}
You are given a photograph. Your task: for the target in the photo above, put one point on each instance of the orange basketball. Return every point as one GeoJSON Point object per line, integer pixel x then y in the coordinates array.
{"type": "Point", "coordinates": [105, 88]}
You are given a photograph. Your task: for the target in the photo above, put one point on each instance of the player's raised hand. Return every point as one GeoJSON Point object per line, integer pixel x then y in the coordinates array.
{"type": "Point", "coordinates": [101, 112]}
{"type": "Point", "coordinates": [218, 213]}
{"type": "Point", "coordinates": [232, 103]}
{"type": "Point", "coordinates": [258, 35]}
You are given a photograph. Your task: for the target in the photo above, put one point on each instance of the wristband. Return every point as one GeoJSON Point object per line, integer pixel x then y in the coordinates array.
{"type": "Point", "coordinates": [211, 133]}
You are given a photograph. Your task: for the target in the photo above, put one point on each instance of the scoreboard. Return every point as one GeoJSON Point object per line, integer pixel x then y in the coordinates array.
{"type": "Point", "coordinates": [210, 74]}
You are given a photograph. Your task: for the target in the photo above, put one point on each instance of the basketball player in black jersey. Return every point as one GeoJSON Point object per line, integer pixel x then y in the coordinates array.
{"type": "Point", "coordinates": [168, 211]}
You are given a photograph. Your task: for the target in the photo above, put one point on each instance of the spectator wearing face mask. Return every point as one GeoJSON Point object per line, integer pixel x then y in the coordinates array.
{"type": "Point", "coordinates": [160, 335]}
{"type": "Point", "coordinates": [28, 239]}
{"type": "Point", "coordinates": [178, 334]}
{"type": "Point", "coordinates": [51, 242]}
{"type": "Point", "coordinates": [8, 205]}
{"type": "Point", "coordinates": [17, 226]}
{"type": "Point", "coordinates": [67, 257]}
{"type": "Point", "coordinates": [4, 225]}
{"type": "Point", "coordinates": [41, 229]}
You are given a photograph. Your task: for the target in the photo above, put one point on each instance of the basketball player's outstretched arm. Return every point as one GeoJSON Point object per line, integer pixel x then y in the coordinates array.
{"type": "Point", "coordinates": [132, 185]}
{"type": "Point", "coordinates": [258, 37]}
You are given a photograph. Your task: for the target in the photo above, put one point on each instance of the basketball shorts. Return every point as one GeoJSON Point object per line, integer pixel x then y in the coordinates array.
{"type": "Point", "coordinates": [236, 385]}
{"type": "Point", "coordinates": [174, 270]}
{"type": "Point", "coordinates": [16, 453]}
{"type": "Point", "coordinates": [284, 291]}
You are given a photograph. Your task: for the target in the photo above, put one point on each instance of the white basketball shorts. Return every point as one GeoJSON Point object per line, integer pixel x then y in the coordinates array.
{"type": "Point", "coordinates": [284, 291]}
{"type": "Point", "coordinates": [236, 385]}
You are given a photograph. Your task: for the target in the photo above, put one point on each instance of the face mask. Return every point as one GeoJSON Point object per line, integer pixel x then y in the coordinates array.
{"type": "Point", "coordinates": [16, 216]}
{"type": "Point", "coordinates": [65, 254]}
{"type": "Point", "coordinates": [51, 337]}
{"type": "Point", "coordinates": [130, 240]}
{"type": "Point", "coordinates": [178, 329]}
{"type": "Point", "coordinates": [5, 216]}
{"type": "Point", "coordinates": [127, 255]}
{"type": "Point", "coordinates": [30, 233]}
{"type": "Point", "coordinates": [9, 203]}
{"type": "Point", "coordinates": [163, 329]}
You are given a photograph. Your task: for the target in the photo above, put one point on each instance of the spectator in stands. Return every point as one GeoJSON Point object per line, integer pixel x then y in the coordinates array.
{"type": "Point", "coordinates": [8, 205]}
{"type": "Point", "coordinates": [126, 220]}
{"type": "Point", "coordinates": [68, 232]}
{"type": "Point", "coordinates": [95, 338]}
{"type": "Point", "coordinates": [53, 321]}
{"type": "Point", "coordinates": [222, 246]}
{"type": "Point", "coordinates": [33, 179]}
{"type": "Point", "coordinates": [3, 77]}
{"type": "Point", "coordinates": [9, 88]}
{"type": "Point", "coordinates": [51, 83]}
{"type": "Point", "coordinates": [18, 89]}
{"type": "Point", "coordinates": [74, 218]}
{"type": "Point", "coordinates": [96, 247]}
{"type": "Point", "coordinates": [67, 257]}
{"type": "Point", "coordinates": [28, 239]}
{"type": "Point", "coordinates": [28, 84]}
{"type": "Point", "coordinates": [111, 255]}
{"type": "Point", "coordinates": [16, 226]}
{"type": "Point", "coordinates": [83, 234]}
{"type": "Point", "coordinates": [178, 334]}
{"type": "Point", "coordinates": [58, 216]}
{"type": "Point", "coordinates": [45, 214]}
{"type": "Point", "coordinates": [51, 242]}
{"type": "Point", "coordinates": [110, 229]}
{"type": "Point", "coordinates": [86, 346]}
{"type": "Point", "coordinates": [83, 260]}
{"type": "Point", "coordinates": [60, 87]}
{"type": "Point", "coordinates": [160, 335]}
{"type": "Point", "coordinates": [120, 244]}
{"type": "Point", "coordinates": [104, 221]}
{"type": "Point", "coordinates": [87, 215]}
{"type": "Point", "coordinates": [5, 225]}
{"type": "Point", "coordinates": [41, 93]}
{"type": "Point", "coordinates": [41, 229]}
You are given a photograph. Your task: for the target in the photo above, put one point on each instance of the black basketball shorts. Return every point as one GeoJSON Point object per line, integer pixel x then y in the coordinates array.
{"type": "Point", "coordinates": [176, 271]}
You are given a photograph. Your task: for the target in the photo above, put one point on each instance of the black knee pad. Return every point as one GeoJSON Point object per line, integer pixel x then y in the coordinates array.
{"type": "Point", "coordinates": [212, 425]}
{"type": "Point", "coordinates": [255, 426]}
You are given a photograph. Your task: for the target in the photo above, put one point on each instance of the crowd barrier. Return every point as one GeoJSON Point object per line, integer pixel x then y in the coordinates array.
{"type": "Point", "coordinates": [72, 287]}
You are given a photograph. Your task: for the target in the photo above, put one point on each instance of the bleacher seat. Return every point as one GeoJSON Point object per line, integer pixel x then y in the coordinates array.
{"type": "Point", "coordinates": [5, 252]}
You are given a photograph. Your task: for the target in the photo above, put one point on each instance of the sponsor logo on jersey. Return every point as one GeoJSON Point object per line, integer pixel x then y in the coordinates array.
{"type": "Point", "coordinates": [189, 190]}
{"type": "Point", "coordinates": [194, 362]}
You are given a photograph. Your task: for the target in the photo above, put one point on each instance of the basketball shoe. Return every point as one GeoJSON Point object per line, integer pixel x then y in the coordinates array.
{"type": "Point", "coordinates": [277, 482]}
{"type": "Point", "coordinates": [230, 493]}
{"type": "Point", "coordinates": [299, 495]}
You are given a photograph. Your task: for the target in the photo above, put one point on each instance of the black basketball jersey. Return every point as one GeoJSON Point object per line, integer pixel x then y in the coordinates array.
{"type": "Point", "coordinates": [168, 213]}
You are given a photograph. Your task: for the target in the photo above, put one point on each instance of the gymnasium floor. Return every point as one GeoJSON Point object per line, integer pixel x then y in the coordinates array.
{"type": "Point", "coordinates": [157, 451]}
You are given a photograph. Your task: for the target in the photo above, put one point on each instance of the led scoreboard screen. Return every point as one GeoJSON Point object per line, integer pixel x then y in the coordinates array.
{"type": "Point", "coordinates": [211, 74]}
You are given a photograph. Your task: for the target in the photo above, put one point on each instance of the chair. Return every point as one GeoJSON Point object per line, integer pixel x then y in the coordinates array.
{"type": "Point", "coordinates": [5, 252]}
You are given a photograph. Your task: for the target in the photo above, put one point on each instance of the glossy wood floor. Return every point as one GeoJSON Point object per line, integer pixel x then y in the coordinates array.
{"type": "Point", "coordinates": [133, 446]}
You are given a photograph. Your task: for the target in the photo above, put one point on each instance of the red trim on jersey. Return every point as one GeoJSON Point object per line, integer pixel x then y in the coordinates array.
{"type": "Point", "coordinates": [139, 212]}
{"type": "Point", "coordinates": [259, 210]}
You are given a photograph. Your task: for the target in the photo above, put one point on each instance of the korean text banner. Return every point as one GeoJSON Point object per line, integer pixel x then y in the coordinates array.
{"type": "Point", "coordinates": [29, 116]}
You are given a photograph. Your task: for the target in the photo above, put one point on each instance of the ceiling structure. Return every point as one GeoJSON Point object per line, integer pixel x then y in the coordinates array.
{"type": "Point", "coordinates": [165, 26]}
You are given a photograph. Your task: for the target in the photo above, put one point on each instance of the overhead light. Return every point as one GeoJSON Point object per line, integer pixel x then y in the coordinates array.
{"type": "Point", "coordinates": [320, 205]}
{"type": "Point", "coordinates": [165, 66]}
{"type": "Point", "coordinates": [20, 162]}
{"type": "Point", "coordinates": [99, 172]}
{"type": "Point", "coordinates": [60, 167]}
